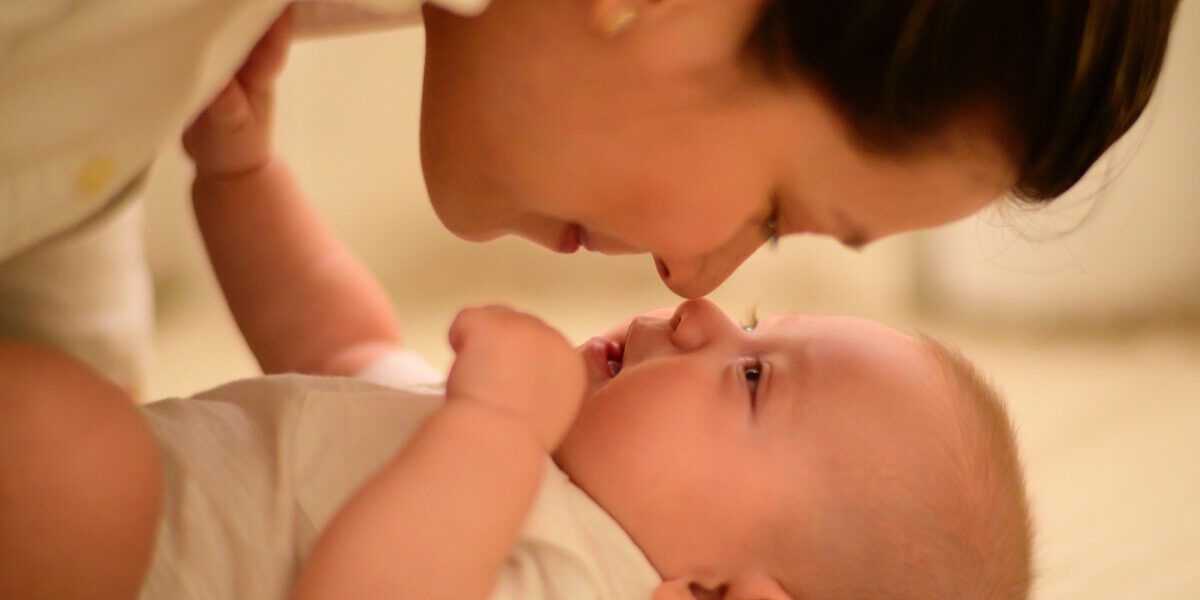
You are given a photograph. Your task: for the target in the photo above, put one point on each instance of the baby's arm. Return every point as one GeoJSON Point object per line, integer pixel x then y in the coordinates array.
{"type": "Point", "coordinates": [440, 519]}
{"type": "Point", "coordinates": [301, 299]}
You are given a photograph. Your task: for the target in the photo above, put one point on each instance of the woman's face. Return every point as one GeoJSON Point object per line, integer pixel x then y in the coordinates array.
{"type": "Point", "coordinates": [663, 140]}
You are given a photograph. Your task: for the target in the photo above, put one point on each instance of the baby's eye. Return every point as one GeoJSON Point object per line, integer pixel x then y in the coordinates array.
{"type": "Point", "coordinates": [752, 370]}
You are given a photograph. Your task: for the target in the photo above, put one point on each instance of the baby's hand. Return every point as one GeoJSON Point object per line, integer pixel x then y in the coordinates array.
{"type": "Point", "coordinates": [514, 362]}
{"type": "Point", "coordinates": [233, 135]}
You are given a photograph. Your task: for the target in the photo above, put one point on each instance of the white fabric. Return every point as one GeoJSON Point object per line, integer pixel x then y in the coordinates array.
{"type": "Point", "coordinates": [92, 89]}
{"type": "Point", "coordinates": [255, 469]}
{"type": "Point", "coordinates": [326, 17]}
{"type": "Point", "coordinates": [87, 292]}
{"type": "Point", "coordinates": [403, 369]}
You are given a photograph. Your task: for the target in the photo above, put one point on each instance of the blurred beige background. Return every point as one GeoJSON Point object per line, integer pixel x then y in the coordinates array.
{"type": "Point", "coordinates": [1086, 313]}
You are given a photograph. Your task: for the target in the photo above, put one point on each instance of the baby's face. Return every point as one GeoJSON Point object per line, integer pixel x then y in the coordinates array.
{"type": "Point", "coordinates": [709, 436]}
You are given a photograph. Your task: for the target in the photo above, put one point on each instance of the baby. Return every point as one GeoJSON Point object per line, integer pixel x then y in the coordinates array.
{"type": "Point", "coordinates": [677, 456]}
{"type": "Point", "coordinates": [692, 458]}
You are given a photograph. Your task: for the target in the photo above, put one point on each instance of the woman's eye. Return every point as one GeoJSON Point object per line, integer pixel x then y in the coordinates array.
{"type": "Point", "coordinates": [771, 225]}
{"type": "Point", "coordinates": [751, 322]}
{"type": "Point", "coordinates": [771, 230]}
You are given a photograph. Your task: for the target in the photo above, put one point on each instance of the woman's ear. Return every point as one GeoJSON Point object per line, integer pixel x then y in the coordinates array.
{"type": "Point", "coordinates": [614, 17]}
{"type": "Point", "coordinates": [679, 34]}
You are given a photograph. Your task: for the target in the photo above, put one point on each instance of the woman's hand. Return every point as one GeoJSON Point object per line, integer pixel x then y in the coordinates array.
{"type": "Point", "coordinates": [513, 362]}
{"type": "Point", "coordinates": [233, 135]}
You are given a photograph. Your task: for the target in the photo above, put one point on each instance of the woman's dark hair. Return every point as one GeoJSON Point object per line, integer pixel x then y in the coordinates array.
{"type": "Point", "coordinates": [1067, 77]}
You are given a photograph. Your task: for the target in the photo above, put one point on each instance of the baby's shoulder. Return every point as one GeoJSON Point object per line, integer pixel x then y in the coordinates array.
{"type": "Point", "coordinates": [276, 406]}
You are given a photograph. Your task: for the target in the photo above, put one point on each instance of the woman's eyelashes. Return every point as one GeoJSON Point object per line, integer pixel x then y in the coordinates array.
{"type": "Point", "coordinates": [771, 225]}
{"type": "Point", "coordinates": [771, 231]}
{"type": "Point", "coordinates": [751, 322]}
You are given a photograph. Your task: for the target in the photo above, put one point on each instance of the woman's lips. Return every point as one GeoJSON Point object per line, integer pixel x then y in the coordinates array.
{"type": "Point", "coordinates": [583, 239]}
{"type": "Point", "coordinates": [663, 270]}
{"type": "Point", "coordinates": [569, 243]}
{"type": "Point", "coordinates": [605, 244]}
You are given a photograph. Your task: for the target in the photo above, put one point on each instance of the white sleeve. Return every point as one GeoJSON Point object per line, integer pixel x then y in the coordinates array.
{"type": "Point", "coordinates": [401, 368]}
{"type": "Point", "coordinates": [88, 292]}
{"type": "Point", "coordinates": [329, 17]}
{"type": "Point", "coordinates": [92, 89]}
{"type": "Point", "coordinates": [326, 17]}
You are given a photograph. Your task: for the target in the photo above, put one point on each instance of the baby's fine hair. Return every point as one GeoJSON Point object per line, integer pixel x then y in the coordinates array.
{"type": "Point", "coordinates": [1066, 78]}
{"type": "Point", "coordinates": [959, 530]}
{"type": "Point", "coordinates": [986, 529]}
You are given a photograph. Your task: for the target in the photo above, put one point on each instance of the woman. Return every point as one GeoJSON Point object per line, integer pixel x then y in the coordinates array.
{"type": "Point", "coordinates": [691, 130]}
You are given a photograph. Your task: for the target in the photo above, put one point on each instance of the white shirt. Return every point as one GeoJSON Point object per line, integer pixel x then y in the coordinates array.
{"type": "Point", "coordinates": [256, 469]}
{"type": "Point", "coordinates": [92, 89]}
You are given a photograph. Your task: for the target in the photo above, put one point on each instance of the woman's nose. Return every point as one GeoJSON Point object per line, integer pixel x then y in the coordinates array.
{"type": "Point", "coordinates": [691, 278]}
{"type": "Point", "coordinates": [696, 276]}
{"type": "Point", "coordinates": [698, 323]}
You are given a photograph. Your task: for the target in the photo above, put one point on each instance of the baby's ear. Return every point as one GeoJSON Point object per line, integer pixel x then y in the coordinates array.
{"type": "Point", "coordinates": [750, 587]}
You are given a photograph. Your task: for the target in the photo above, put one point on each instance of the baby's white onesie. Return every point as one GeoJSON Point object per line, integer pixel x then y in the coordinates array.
{"type": "Point", "coordinates": [255, 470]}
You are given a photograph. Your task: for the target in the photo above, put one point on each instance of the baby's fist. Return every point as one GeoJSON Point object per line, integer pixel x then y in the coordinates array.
{"type": "Point", "coordinates": [233, 134]}
{"type": "Point", "coordinates": [514, 362]}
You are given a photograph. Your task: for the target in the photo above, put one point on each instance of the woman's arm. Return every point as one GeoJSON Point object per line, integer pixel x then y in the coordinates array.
{"type": "Point", "coordinates": [301, 299]}
{"type": "Point", "coordinates": [441, 518]}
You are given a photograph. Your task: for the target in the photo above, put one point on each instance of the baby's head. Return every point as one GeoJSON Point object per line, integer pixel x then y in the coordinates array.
{"type": "Point", "coordinates": [812, 457]}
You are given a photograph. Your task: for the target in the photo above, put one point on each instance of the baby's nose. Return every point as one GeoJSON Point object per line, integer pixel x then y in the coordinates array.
{"type": "Point", "coordinates": [697, 323]}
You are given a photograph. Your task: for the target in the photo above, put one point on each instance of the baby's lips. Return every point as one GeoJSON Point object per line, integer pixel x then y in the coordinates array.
{"type": "Point", "coordinates": [597, 352]}
{"type": "Point", "coordinates": [619, 333]}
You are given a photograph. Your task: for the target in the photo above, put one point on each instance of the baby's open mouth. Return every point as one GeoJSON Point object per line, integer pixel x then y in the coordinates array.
{"type": "Point", "coordinates": [616, 354]}
{"type": "Point", "coordinates": [604, 358]}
